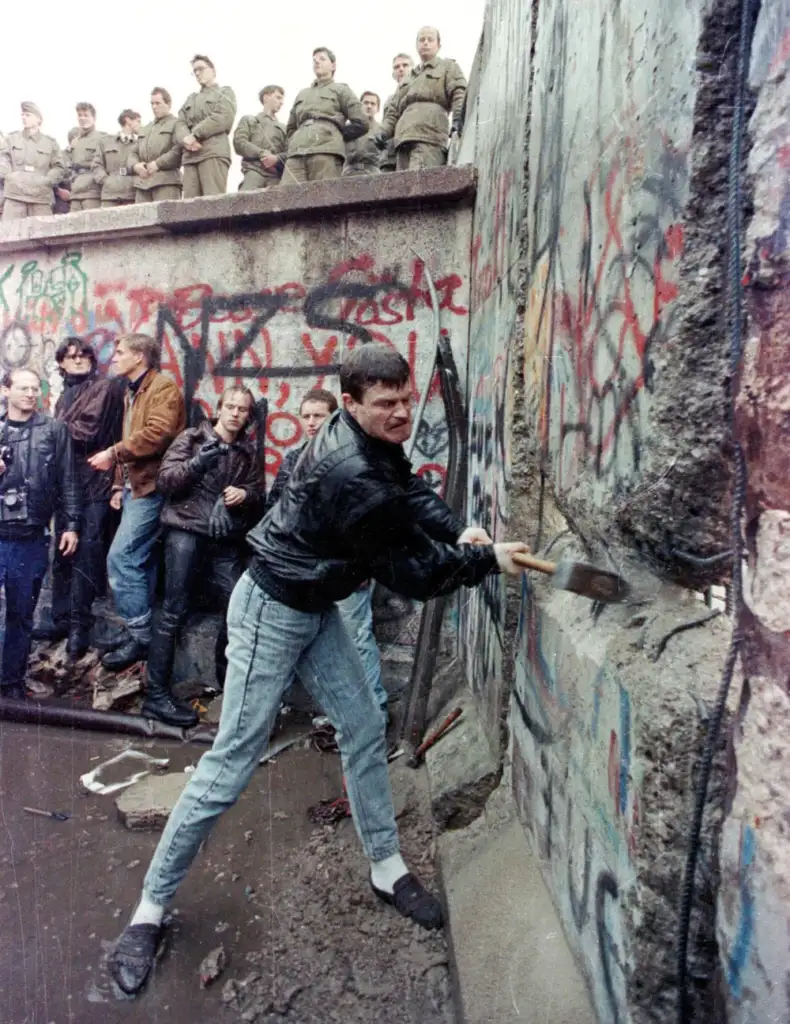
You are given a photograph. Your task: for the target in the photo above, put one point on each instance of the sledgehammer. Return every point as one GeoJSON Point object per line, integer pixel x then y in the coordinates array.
{"type": "Point", "coordinates": [587, 580]}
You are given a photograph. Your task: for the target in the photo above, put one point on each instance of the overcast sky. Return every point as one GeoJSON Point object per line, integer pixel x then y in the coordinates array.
{"type": "Point", "coordinates": [112, 57]}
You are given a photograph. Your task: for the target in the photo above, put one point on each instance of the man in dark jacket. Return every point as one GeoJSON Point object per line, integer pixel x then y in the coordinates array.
{"type": "Point", "coordinates": [92, 408]}
{"type": "Point", "coordinates": [37, 474]}
{"type": "Point", "coordinates": [352, 510]}
{"type": "Point", "coordinates": [212, 480]}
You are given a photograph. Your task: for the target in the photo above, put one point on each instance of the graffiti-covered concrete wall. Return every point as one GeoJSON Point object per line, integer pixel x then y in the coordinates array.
{"type": "Point", "coordinates": [495, 131]}
{"type": "Point", "coordinates": [754, 900]}
{"type": "Point", "coordinates": [274, 307]}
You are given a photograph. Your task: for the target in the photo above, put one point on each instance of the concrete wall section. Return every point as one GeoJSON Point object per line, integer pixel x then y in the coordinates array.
{"type": "Point", "coordinates": [754, 903]}
{"type": "Point", "coordinates": [605, 726]}
{"type": "Point", "coordinates": [498, 112]}
{"type": "Point", "coordinates": [613, 166]}
{"type": "Point", "coordinates": [273, 305]}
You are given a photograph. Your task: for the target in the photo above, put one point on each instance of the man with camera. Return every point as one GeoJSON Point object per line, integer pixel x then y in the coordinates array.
{"type": "Point", "coordinates": [37, 476]}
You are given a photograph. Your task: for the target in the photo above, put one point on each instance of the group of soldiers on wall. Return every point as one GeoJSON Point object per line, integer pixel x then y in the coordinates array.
{"type": "Point", "coordinates": [330, 133]}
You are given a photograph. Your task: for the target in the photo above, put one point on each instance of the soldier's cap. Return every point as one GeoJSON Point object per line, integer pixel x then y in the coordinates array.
{"type": "Point", "coordinates": [28, 107]}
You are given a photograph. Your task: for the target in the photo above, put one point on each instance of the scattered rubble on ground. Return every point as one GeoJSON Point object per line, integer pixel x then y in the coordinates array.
{"type": "Point", "coordinates": [147, 804]}
{"type": "Point", "coordinates": [212, 966]}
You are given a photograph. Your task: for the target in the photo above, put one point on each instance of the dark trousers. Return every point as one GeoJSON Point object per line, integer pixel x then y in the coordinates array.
{"type": "Point", "coordinates": [191, 561]}
{"type": "Point", "coordinates": [76, 580]}
{"type": "Point", "coordinates": [23, 566]}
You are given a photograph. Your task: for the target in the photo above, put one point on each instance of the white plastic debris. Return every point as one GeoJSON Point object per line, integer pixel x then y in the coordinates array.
{"type": "Point", "coordinates": [92, 781]}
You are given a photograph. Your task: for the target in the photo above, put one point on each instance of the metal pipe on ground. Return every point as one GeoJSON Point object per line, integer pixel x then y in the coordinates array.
{"type": "Point", "coordinates": [44, 713]}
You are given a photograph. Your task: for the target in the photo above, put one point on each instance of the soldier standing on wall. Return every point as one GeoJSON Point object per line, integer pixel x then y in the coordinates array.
{"type": "Point", "coordinates": [418, 119]}
{"type": "Point", "coordinates": [111, 162]}
{"type": "Point", "coordinates": [62, 192]}
{"type": "Point", "coordinates": [155, 159]}
{"type": "Point", "coordinates": [402, 65]}
{"type": "Point", "coordinates": [362, 154]}
{"type": "Point", "coordinates": [31, 166]}
{"type": "Point", "coordinates": [324, 117]}
{"type": "Point", "coordinates": [85, 190]}
{"type": "Point", "coordinates": [206, 120]}
{"type": "Point", "coordinates": [260, 142]}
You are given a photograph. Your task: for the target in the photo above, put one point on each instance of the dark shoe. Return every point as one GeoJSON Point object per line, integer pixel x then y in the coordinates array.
{"type": "Point", "coordinates": [78, 644]}
{"type": "Point", "coordinates": [162, 705]}
{"type": "Point", "coordinates": [412, 899]}
{"type": "Point", "coordinates": [125, 656]}
{"type": "Point", "coordinates": [110, 641]}
{"type": "Point", "coordinates": [50, 634]}
{"type": "Point", "coordinates": [16, 691]}
{"type": "Point", "coordinates": [134, 955]}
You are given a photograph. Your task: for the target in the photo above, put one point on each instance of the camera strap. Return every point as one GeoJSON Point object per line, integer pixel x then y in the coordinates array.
{"type": "Point", "coordinates": [18, 475]}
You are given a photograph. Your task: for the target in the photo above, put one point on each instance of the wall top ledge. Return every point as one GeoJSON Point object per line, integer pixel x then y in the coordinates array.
{"type": "Point", "coordinates": [439, 186]}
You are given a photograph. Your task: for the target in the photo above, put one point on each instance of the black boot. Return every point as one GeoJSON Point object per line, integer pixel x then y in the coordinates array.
{"type": "Point", "coordinates": [160, 703]}
{"type": "Point", "coordinates": [13, 691]}
{"type": "Point", "coordinates": [79, 642]}
{"type": "Point", "coordinates": [125, 656]}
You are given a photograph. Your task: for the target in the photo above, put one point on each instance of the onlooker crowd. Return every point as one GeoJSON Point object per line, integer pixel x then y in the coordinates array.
{"type": "Point", "coordinates": [329, 133]}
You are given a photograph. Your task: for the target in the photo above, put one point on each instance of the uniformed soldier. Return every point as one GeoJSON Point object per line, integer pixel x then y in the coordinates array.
{"type": "Point", "coordinates": [85, 191]}
{"type": "Point", "coordinates": [402, 65]}
{"type": "Point", "coordinates": [207, 118]}
{"type": "Point", "coordinates": [111, 162]}
{"type": "Point", "coordinates": [260, 141]}
{"type": "Point", "coordinates": [418, 119]}
{"type": "Point", "coordinates": [323, 119]}
{"type": "Point", "coordinates": [362, 154]}
{"type": "Point", "coordinates": [62, 192]}
{"type": "Point", "coordinates": [155, 159]}
{"type": "Point", "coordinates": [31, 166]}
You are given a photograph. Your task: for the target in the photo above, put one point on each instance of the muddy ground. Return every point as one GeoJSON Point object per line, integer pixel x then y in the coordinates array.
{"type": "Point", "coordinates": [304, 938]}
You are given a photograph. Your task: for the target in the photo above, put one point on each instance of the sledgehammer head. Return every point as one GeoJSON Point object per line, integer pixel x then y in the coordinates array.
{"type": "Point", "coordinates": [589, 581]}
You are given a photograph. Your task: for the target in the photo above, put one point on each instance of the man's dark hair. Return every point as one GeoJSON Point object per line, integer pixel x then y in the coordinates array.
{"type": "Point", "coordinates": [8, 376]}
{"type": "Point", "coordinates": [86, 106]}
{"type": "Point", "coordinates": [147, 346]}
{"type": "Point", "coordinates": [128, 114]}
{"type": "Point", "coordinates": [204, 58]}
{"type": "Point", "coordinates": [267, 90]}
{"type": "Point", "coordinates": [83, 348]}
{"type": "Point", "coordinates": [163, 93]}
{"type": "Point", "coordinates": [369, 364]}
{"type": "Point", "coordinates": [375, 96]}
{"type": "Point", "coordinates": [327, 51]}
{"type": "Point", "coordinates": [319, 395]}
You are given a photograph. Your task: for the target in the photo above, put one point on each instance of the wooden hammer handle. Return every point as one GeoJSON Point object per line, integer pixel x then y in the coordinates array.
{"type": "Point", "coordinates": [530, 562]}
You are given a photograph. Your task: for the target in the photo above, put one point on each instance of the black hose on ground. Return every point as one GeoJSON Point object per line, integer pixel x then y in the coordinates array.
{"type": "Point", "coordinates": [43, 713]}
{"type": "Point", "coordinates": [734, 317]}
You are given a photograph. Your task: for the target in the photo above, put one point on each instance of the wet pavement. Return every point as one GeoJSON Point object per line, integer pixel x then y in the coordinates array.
{"type": "Point", "coordinates": [66, 888]}
{"type": "Point", "coordinates": [305, 939]}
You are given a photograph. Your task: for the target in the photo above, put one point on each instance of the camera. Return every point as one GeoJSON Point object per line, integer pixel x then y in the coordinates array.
{"type": "Point", "coordinates": [13, 505]}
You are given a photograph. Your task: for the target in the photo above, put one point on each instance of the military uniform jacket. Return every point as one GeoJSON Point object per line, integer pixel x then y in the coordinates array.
{"type": "Point", "coordinates": [422, 103]}
{"type": "Point", "coordinates": [255, 135]}
{"type": "Point", "coordinates": [388, 156]}
{"type": "Point", "coordinates": [30, 167]}
{"type": "Point", "coordinates": [158, 140]}
{"type": "Point", "coordinates": [111, 167]}
{"type": "Point", "coordinates": [363, 155]}
{"type": "Point", "coordinates": [209, 116]}
{"type": "Point", "coordinates": [79, 162]}
{"type": "Point", "coordinates": [323, 118]}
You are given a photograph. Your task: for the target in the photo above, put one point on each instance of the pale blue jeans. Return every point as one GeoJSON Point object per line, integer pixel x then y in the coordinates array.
{"type": "Point", "coordinates": [357, 612]}
{"type": "Point", "coordinates": [267, 644]}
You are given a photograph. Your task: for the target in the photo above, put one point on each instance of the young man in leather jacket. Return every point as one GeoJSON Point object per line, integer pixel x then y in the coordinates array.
{"type": "Point", "coordinates": [37, 475]}
{"type": "Point", "coordinates": [352, 510]}
{"type": "Point", "coordinates": [211, 478]}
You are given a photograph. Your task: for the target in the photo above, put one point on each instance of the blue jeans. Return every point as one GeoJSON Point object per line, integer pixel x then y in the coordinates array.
{"type": "Point", "coordinates": [267, 643]}
{"type": "Point", "coordinates": [131, 565]}
{"type": "Point", "coordinates": [357, 612]}
{"type": "Point", "coordinates": [23, 566]}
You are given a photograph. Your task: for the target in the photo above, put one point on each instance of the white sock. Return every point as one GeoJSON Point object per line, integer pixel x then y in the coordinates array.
{"type": "Point", "coordinates": [385, 873]}
{"type": "Point", "coordinates": [148, 912]}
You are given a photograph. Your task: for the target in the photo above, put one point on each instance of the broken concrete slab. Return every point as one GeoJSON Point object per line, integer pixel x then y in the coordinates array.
{"type": "Point", "coordinates": [212, 966]}
{"type": "Point", "coordinates": [462, 770]}
{"type": "Point", "coordinates": [113, 689]}
{"type": "Point", "coordinates": [147, 804]}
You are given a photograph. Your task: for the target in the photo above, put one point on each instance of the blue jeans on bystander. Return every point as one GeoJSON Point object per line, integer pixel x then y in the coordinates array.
{"type": "Point", "coordinates": [23, 566]}
{"type": "Point", "coordinates": [131, 565]}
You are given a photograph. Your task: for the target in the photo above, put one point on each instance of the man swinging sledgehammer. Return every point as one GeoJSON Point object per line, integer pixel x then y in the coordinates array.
{"type": "Point", "coordinates": [352, 510]}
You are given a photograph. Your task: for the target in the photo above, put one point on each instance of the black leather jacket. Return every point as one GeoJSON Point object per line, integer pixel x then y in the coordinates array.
{"type": "Point", "coordinates": [353, 510]}
{"type": "Point", "coordinates": [43, 462]}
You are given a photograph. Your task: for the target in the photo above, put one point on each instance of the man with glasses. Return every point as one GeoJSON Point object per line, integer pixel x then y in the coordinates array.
{"type": "Point", "coordinates": [37, 476]}
{"type": "Point", "coordinates": [91, 407]}
{"type": "Point", "coordinates": [205, 121]}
